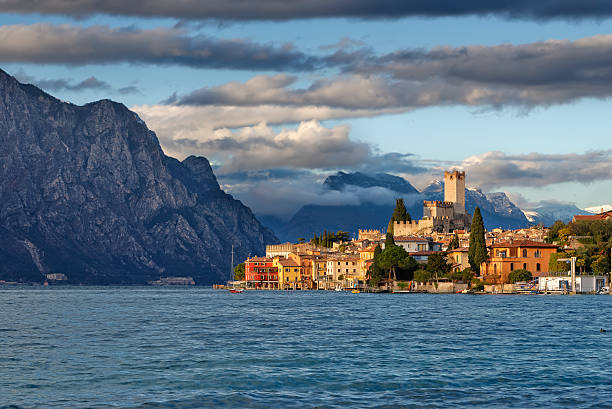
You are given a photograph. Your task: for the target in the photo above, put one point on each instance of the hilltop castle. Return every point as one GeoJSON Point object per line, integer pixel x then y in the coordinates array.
{"type": "Point", "coordinates": [441, 216]}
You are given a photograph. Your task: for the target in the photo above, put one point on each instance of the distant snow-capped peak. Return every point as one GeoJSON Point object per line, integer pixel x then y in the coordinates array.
{"type": "Point", "coordinates": [598, 209]}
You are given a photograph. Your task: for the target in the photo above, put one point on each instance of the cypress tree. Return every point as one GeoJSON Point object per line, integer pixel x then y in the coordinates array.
{"type": "Point", "coordinates": [477, 253]}
{"type": "Point", "coordinates": [389, 242]}
{"type": "Point", "coordinates": [454, 243]}
{"type": "Point", "coordinates": [400, 214]}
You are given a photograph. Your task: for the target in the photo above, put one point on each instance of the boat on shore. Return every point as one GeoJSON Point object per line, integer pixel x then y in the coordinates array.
{"type": "Point", "coordinates": [236, 290]}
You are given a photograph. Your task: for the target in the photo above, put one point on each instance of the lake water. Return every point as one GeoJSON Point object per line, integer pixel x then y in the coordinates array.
{"type": "Point", "coordinates": [111, 347]}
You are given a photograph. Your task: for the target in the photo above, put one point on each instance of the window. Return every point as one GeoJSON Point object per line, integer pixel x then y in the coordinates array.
{"type": "Point", "coordinates": [494, 268]}
{"type": "Point", "coordinates": [524, 253]}
{"type": "Point", "coordinates": [524, 266]}
{"type": "Point", "coordinates": [538, 267]}
{"type": "Point", "coordinates": [511, 266]}
{"type": "Point", "coordinates": [538, 254]}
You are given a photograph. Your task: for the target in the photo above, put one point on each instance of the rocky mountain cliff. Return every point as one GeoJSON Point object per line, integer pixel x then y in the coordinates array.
{"type": "Point", "coordinates": [87, 191]}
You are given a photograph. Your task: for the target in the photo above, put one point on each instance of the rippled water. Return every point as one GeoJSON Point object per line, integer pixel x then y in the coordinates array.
{"type": "Point", "coordinates": [68, 347]}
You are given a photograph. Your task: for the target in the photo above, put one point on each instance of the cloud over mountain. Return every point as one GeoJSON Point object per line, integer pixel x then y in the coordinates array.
{"type": "Point", "coordinates": [494, 169]}
{"type": "Point", "coordinates": [301, 9]}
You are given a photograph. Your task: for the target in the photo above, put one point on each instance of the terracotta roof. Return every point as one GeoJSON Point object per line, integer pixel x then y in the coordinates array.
{"type": "Point", "coordinates": [411, 238]}
{"type": "Point", "coordinates": [287, 262]}
{"type": "Point", "coordinates": [524, 243]}
{"type": "Point", "coordinates": [260, 259]}
{"type": "Point", "coordinates": [600, 216]}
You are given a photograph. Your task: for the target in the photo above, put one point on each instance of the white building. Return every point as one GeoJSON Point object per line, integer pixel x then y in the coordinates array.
{"type": "Point", "coordinates": [584, 283]}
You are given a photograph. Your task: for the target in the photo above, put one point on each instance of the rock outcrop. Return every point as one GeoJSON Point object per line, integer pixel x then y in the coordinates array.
{"type": "Point", "coordinates": [87, 191]}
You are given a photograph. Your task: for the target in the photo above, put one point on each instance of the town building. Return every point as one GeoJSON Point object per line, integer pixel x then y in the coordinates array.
{"type": "Point", "coordinates": [505, 257]}
{"type": "Point", "coordinates": [260, 272]}
{"type": "Point", "coordinates": [584, 283]}
{"type": "Point", "coordinates": [280, 250]}
{"type": "Point", "coordinates": [414, 244]}
{"type": "Point", "coordinates": [56, 277]}
{"type": "Point", "coordinates": [347, 270]}
{"type": "Point", "coordinates": [289, 273]}
{"type": "Point", "coordinates": [440, 216]}
{"type": "Point", "coordinates": [369, 234]}
{"type": "Point", "coordinates": [459, 258]}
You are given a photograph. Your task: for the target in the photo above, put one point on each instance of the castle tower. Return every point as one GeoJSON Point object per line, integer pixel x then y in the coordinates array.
{"type": "Point", "coordinates": [454, 190]}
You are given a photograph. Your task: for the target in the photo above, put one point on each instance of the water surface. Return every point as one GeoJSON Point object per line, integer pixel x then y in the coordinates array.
{"type": "Point", "coordinates": [114, 347]}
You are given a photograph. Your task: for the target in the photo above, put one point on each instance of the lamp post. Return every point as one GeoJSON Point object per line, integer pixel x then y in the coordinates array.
{"type": "Point", "coordinates": [571, 260]}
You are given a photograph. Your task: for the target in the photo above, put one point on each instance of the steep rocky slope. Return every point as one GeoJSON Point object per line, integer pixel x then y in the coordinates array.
{"type": "Point", "coordinates": [87, 191]}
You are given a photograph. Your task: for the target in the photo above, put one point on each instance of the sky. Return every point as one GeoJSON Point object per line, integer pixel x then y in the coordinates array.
{"type": "Point", "coordinates": [278, 95]}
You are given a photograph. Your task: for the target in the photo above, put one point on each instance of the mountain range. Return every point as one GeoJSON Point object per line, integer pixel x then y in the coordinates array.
{"type": "Point", "coordinates": [87, 191]}
{"type": "Point", "coordinates": [496, 208]}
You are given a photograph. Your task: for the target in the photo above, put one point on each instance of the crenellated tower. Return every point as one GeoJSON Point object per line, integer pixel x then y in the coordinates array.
{"type": "Point", "coordinates": [454, 190]}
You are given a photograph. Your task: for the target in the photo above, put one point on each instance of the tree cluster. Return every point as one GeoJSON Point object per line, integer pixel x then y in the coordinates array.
{"type": "Point", "coordinates": [393, 263]}
{"type": "Point", "coordinates": [327, 239]}
{"type": "Point", "coordinates": [595, 237]}
{"type": "Point", "coordinates": [520, 275]}
{"type": "Point", "coordinates": [239, 272]}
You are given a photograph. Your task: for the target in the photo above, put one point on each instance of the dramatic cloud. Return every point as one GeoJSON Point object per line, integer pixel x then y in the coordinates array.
{"type": "Point", "coordinates": [65, 84]}
{"type": "Point", "coordinates": [536, 74]}
{"type": "Point", "coordinates": [309, 146]}
{"type": "Point", "coordinates": [72, 45]}
{"type": "Point", "coordinates": [68, 85]}
{"type": "Point", "coordinates": [301, 9]}
{"type": "Point", "coordinates": [345, 92]}
{"type": "Point", "coordinates": [496, 169]}
{"type": "Point", "coordinates": [181, 128]}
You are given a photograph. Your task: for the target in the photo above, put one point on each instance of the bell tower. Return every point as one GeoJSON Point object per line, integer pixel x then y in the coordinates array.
{"type": "Point", "coordinates": [454, 190]}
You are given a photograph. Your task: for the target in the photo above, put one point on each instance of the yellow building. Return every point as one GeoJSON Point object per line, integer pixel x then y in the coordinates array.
{"type": "Point", "coordinates": [289, 273]}
{"type": "Point", "coordinates": [459, 258]}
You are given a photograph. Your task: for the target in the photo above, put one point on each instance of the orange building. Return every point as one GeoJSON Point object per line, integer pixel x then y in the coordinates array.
{"type": "Point", "coordinates": [505, 257]}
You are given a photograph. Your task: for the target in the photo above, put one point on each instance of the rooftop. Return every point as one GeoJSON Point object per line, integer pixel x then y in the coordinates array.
{"type": "Point", "coordinates": [411, 238]}
{"type": "Point", "coordinates": [287, 262]}
{"type": "Point", "coordinates": [523, 243]}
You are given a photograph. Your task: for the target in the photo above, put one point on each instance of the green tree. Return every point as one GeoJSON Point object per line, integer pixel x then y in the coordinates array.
{"type": "Point", "coordinates": [301, 240]}
{"type": "Point", "coordinates": [399, 214]}
{"type": "Point", "coordinates": [375, 272]}
{"type": "Point", "coordinates": [520, 275]}
{"type": "Point", "coordinates": [454, 243]}
{"type": "Point", "coordinates": [438, 263]}
{"type": "Point", "coordinates": [389, 241]}
{"type": "Point", "coordinates": [239, 272]}
{"type": "Point", "coordinates": [467, 275]}
{"type": "Point", "coordinates": [422, 276]}
{"type": "Point", "coordinates": [553, 233]}
{"type": "Point", "coordinates": [477, 253]}
{"type": "Point", "coordinates": [342, 236]}
{"type": "Point", "coordinates": [555, 266]}
{"type": "Point", "coordinates": [601, 264]}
